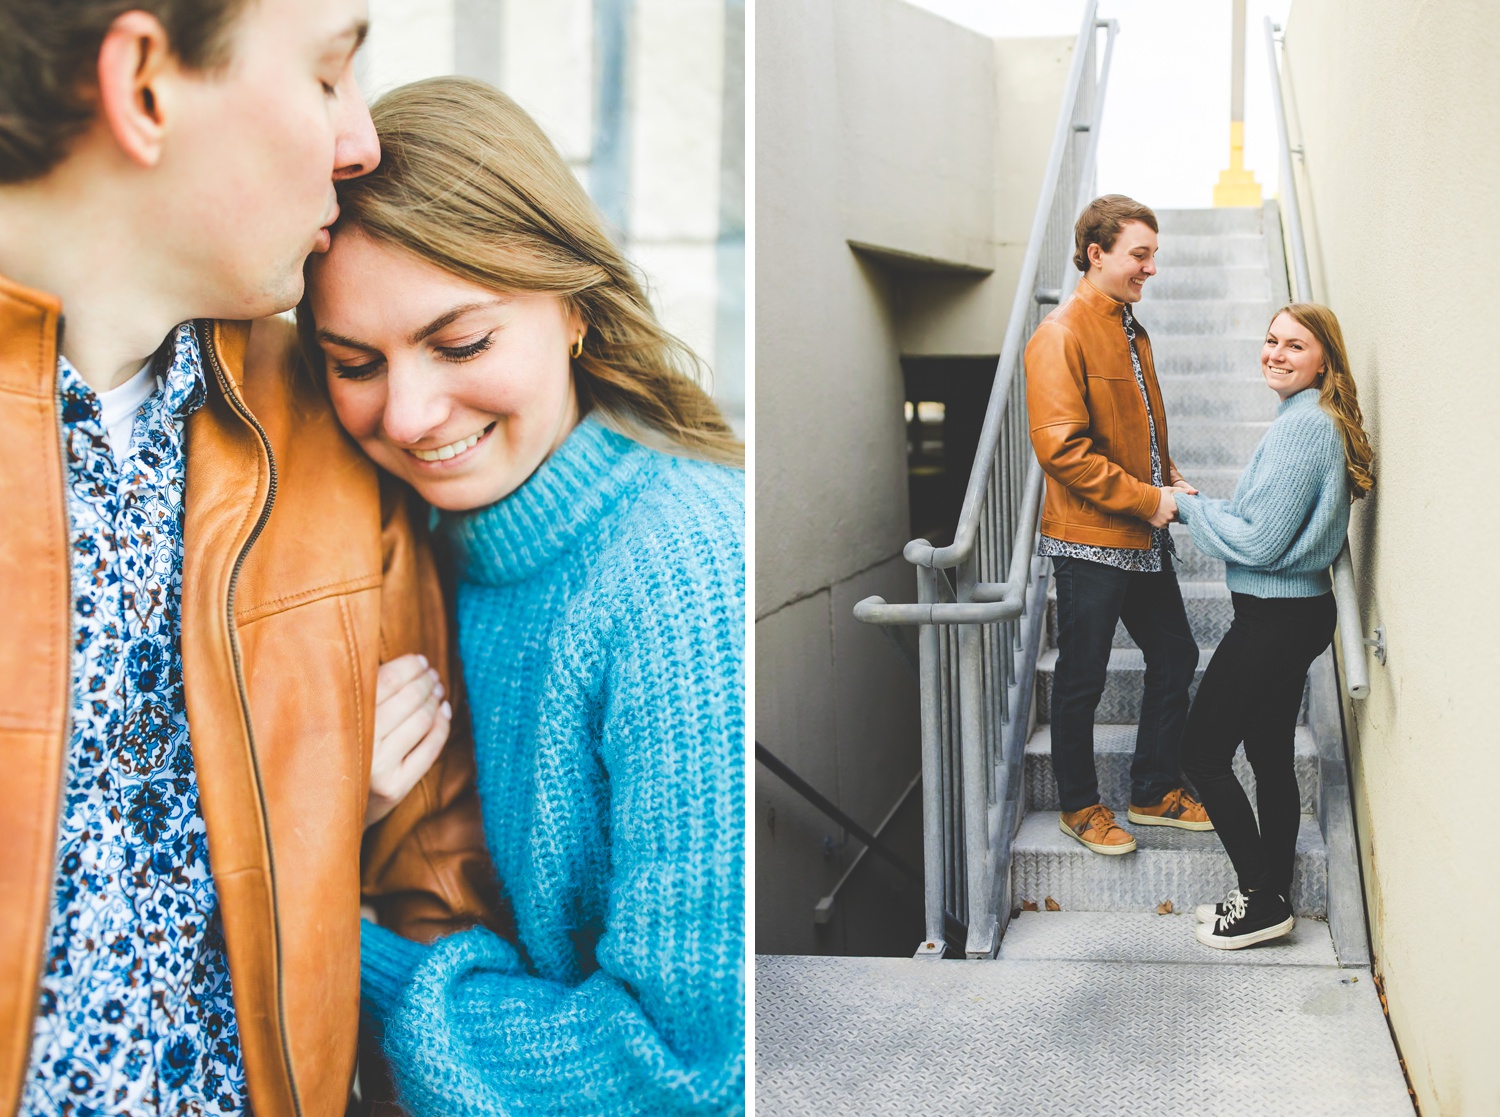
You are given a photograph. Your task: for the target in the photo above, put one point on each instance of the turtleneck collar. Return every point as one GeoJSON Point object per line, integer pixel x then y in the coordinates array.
{"type": "Point", "coordinates": [1096, 300]}
{"type": "Point", "coordinates": [1301, 399]}
{"type": "Point", "coordinates": [577, 486]}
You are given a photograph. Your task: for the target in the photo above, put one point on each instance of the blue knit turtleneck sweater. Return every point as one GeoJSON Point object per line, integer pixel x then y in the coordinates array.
{"type": "Point", "coordinates": [601, 613]}
{"type": "Point", "coordinates": [1289, 515]}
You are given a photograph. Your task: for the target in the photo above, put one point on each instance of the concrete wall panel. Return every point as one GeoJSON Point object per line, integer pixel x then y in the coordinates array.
{"type": "Point", "coordinates": [1398, 108]}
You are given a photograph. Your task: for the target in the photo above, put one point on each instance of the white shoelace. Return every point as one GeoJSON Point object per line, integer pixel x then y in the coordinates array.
{"type": "Point", "coordinates": [1234, 910]}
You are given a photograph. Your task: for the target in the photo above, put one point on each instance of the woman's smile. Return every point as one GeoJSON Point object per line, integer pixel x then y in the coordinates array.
{"type": "Point", "coordinates": [454, 451]}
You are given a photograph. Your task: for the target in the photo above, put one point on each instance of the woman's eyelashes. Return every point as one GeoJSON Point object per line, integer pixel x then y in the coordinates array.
{"type": "Point", "coordinates": [465, 352]}
{"type": "Point", "coordinates": [456, 353]}
{"type": "Point", "coordinates": [357, 372]}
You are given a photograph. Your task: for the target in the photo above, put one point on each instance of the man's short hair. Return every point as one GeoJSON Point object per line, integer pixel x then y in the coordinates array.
{"type": "Point", "coordinates": [49, 51]}
{"type": "Point", "coordinates": [1100, 222]}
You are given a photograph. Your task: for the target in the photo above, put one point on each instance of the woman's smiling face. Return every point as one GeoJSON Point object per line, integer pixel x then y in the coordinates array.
{"type": "Point", "coordinates": [1291, 360]}
{"type": "Point", "coordinates": [459, 390]}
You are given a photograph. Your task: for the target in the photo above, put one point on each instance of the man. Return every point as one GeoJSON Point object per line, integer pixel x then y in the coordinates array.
{"type": "Point", "coordinates": [199, 573]}
{"type": "Point", "coordinates": [1100, 433]}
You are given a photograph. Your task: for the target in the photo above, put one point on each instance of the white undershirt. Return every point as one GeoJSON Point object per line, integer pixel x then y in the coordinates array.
{"type": "Point", "coordinates": [119, 407]}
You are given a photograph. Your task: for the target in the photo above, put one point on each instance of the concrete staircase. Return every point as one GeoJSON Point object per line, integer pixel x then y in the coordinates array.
{"type": "Point", "coordinates": [1106, 1006]}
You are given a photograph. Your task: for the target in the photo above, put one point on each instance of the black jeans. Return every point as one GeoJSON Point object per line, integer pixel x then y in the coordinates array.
{"type": "Point", "coordinates": [1091, 598]}
{"type": "Point", "coordinates": [1252, 692]}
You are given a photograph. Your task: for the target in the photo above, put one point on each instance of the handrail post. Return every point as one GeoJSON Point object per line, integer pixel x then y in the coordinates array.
{"type": "Point", "coordinates": [981, 941]}
{"type": "Point", "coordinates": [934, 901]}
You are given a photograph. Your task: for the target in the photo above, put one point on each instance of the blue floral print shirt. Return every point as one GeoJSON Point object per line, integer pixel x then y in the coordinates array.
{"type": "Point", "coordinates": [135, 1015]}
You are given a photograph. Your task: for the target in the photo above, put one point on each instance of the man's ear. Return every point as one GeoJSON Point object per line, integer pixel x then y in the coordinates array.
{"type": "Point", "coordinates": [134, 59]}
{"type": "Point", "coordinates": [1096, 255]}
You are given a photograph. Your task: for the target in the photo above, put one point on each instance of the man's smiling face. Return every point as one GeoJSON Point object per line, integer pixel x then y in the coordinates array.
{"type": "Point", "coordinates": [1121, 273]}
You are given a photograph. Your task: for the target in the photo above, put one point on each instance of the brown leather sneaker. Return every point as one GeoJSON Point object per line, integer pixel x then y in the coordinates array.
{"type": "Point", "coordinates": [1096, 828]}
{"type": "Point", "coordinates": [1177, 808]}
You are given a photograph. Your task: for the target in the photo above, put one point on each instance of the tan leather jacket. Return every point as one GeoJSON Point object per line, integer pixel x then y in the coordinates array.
{"type": "Point", "coordinates": [1089, 426]}
{"type": "Point", "coordinates": [302, 572]}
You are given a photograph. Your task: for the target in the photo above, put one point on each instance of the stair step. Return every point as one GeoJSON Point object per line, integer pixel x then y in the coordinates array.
{"type": "Point", "coordinates": [1212, 250]}
{"type": "Point", "coordinates": [1214, 442]}
{"type": "Point", "coordinates": [1237, 318]}
{"type": "Point", "coordinates": [1121, 702]}
{"type": "Point", "coordinates": [1114, 936]}
{"type": "Point", "coordinates": [1209, 611]}
{"type": "Point", "coordinates": [1183, 867]}
{"type": "Point", "coordinates": [1232, 396]}
{"type": "Point", "coordinates": [1252, 282]}
{"type": "Point", "coordinates": [1188, 354]}
{"type": "Point", "coordinates": [1218, 220]}
{"type": "Point", "coordinates": [1114, 748]}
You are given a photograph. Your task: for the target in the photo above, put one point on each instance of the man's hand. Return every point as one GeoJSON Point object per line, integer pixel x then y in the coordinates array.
{"type": "Point", "coordinates": [1166, 511]}
{"type": "Point", "coordinates": [1180, 483]}
{"type": "Point", "coordinates": [411, 728]}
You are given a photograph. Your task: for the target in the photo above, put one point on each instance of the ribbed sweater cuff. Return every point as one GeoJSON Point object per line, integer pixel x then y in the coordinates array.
{"type": "Point", "coordinates": [386, 964]}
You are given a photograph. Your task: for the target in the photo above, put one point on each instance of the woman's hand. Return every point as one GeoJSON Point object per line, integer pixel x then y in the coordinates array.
{"type": "Point", "coordinates": [411, 727]}
{"type": "Point", "coordinates": [1180, 482]}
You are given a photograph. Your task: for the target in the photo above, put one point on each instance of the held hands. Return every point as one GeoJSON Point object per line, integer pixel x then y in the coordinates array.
{"type": "Point", "coordinates": [411, 728]}
{"type": "Point", "coordinates": [1166, 511]}
{"type": "Point", "coordinates": [1180, 483]}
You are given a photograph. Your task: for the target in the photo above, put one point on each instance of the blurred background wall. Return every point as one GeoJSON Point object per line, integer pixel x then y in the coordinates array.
{"type": "Point", "coordinates": [646, 101]}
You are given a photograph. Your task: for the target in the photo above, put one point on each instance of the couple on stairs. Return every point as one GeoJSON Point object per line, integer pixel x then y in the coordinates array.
{"type": "Point", "coordinates": [1098, 425]}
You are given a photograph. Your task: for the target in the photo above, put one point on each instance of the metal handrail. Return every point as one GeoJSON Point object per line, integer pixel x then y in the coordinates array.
{"type": "Point", "coordinates": [979, 635]}
{"type": "Point", "coordinates": [1351, 625]}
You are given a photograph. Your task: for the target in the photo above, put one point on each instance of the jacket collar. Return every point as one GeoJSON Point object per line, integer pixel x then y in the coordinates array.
{"type": "Point", "coordinates": [29, 321]}
{"type": "Point", "coordinates": [1096, 300]}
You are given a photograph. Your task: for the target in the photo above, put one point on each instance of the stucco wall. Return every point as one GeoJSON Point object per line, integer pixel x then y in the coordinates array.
{"type": "Point", "coordinates": [1397, 105]}
{"type": "Point", "coordinates": [881, 124]}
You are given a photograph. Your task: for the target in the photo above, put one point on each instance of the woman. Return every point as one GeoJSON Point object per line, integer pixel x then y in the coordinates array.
{"type": "Point", "coordinates": [1278, 536]}
{"type": "Point", "coordinates": [484, 341]}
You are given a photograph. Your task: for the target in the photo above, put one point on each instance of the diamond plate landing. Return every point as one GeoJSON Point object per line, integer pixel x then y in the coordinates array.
{"type": "Point", "coordinates": [875, 1036]}
{"type": "Point", "coordinates": [1089, 936]}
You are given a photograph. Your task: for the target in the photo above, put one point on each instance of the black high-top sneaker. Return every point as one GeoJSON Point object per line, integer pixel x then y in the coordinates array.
{"type": "Point", "coordinates": [1249, 918]}
{"type": "Point", "coordinates": [1207, 913]}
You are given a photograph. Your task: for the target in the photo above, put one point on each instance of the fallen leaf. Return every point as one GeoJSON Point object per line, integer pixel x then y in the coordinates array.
{"type": "Point", "coordinates": [1164, 908]}
{"type": "Point", "coordinates": [1028, 905]}
{"type": "Point", "coordinates": [1053, 905]}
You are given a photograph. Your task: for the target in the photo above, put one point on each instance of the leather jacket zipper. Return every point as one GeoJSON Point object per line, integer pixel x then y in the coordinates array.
{"type": "Point", "coordinates": [204, 329]}
{"type": "Point", "coordinates": [67, 726]}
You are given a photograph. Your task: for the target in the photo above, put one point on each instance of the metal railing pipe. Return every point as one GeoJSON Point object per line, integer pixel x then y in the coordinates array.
{"type": "Point", "coordinates": [1345, 596]}
{"type": "Point", "coordinates": [1351, 632]}
{"type": "Point", "coordinates": [1010, 349]}
{"type": "Point", "coordinates": [1288, 180]}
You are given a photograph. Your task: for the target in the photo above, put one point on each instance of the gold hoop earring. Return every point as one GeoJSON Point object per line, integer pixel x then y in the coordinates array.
{"type": "Point", "coordinates": [577, 350]}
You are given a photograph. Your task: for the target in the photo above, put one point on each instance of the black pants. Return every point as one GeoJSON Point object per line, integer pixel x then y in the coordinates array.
{"type": "Point", "coordinates": [1252, 692]}
{"type": "Point", "coordinates": [1091, 598]}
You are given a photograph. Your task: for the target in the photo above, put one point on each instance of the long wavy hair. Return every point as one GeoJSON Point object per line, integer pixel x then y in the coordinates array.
{"type": "Point", "coordinates": [469, 183]}
{"type": "Point", "coordinates": [1336, 394]}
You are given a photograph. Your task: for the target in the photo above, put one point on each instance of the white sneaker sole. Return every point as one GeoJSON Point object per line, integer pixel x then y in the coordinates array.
{"type": "Point", "coordinates": [1157, 820]}
{"type": "Point", "coordinates": [1236, 942]}
{"type": "Point", "coordinates": [1108, 851]}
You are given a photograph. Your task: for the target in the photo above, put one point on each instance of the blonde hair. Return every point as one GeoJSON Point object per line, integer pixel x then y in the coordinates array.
{"type": "Point", "coordinates": [1336, 394]}
{"type": "Point", "coordinates": [469, 183]}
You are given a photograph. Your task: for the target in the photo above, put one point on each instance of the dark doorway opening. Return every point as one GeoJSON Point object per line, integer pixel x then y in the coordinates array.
{"type": "Point", "coordinates": [945, 402]}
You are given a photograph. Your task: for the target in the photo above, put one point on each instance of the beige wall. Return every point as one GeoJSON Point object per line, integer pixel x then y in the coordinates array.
{"type": "Point", "coordinates": [880, 124]}
{"type": "Point", "coordinates": [1398, 107]}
